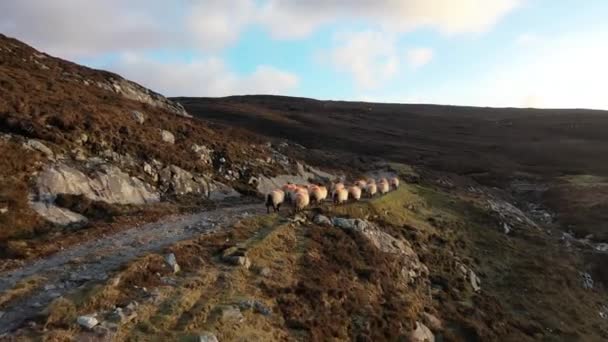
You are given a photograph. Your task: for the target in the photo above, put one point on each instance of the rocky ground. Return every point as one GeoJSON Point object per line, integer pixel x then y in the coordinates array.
{"type": "Point", "coordinates": [123, 217]}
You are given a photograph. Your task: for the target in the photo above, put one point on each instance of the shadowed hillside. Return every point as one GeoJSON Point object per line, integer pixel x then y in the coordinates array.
{"type": "Point", "coordinates": [466, 140]}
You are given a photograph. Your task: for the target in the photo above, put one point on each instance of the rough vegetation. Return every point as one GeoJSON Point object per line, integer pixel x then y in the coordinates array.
{"type": "Point", "coordinates": [124, 218]}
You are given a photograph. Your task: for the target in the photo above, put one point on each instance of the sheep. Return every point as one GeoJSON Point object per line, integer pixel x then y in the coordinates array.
{"type": "Point", "coordinates": [318, 193]}
{"type": "Point", "coordinates": [289, 190]}
{"type": "Point", "coordinates": [340, 196]}
{"type": "Point", "coordinates": [274, 199]}
{"type": "Point", "coordinates": [383, 186]}
{"type": "Point", "coordinates": [371, 189]}
{"type": "Point", "coordinates": [354, 192]}
{"type": "Point", "coordinates": [394, 182]}
{"type": "Point", "coordinates": [335, 187]}
{"type": "Point", "coordinates": [361, 183]}
{"type": "Point", "coordinates": [300, 201]}
{"type": "Point", "coordinates": [371, 181]}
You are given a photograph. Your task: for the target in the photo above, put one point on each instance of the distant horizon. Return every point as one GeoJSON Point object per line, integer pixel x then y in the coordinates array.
{"type": "Point", "coordinates": [537, 54]}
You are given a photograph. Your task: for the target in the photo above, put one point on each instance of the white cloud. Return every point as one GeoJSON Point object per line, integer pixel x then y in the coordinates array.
{"type": "Point", "coordinates": [526, 39]}
{"type": "Point", "coordinates": [418, 57]}
{"type": "Point", "coordinates": [369, 56]}
{"type": "Point", "coordinates": [204, 77]}
{"type": "Point", "coordinates": [71, 28]}
{"type": "Point", "coordinates": [295, 19]}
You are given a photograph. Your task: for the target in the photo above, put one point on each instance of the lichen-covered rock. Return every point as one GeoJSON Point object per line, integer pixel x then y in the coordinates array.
{"type": "Point", "coordinates": [167, 136]}
{"type": "Point", "coordinates": [177, 181]}
{"type": "Point", "coordinates": [139, 117]}
{"type": "Point", "coordinates": [413, 267]}
{"type": "Point", "coordinates": [57, 215]}
{"type": "Point", "coordinates": [36, 145]}
{"type": "Point", "coordinates": [107, 183]}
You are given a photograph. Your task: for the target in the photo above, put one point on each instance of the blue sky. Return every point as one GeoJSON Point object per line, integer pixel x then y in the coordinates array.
{"type": "Point", "coordinates": [521, 53]}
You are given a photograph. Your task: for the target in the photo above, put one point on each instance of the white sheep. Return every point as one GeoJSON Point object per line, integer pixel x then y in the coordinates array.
{"type": "Point", "coordinates": [318, 193]}
{"type": "Point", "coordinates": [340, 196]}
{"type": "Point", "coordinates": [394, 182]}
{"type": "Point", "coordinates": [274, 199]}
{"type": "Point", "coordinates": [300, 201]}
{"type": "Point", "coordinates": [371, 189]}
{"type": "Point", "coordinates": [354, 192]}
{"type": "Point", "coordinates": [383, 186]}
{"type": "Point", "coordinates": [361, 183]}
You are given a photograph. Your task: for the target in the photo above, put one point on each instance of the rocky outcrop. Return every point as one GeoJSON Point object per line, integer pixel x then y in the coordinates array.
{"type": "Point", "coordinates": [413, 267]}
{"type": "Point", "coordinates": [174, 180]}
{"type": "Point", "coordinates": [134, 91]}
{"type": "Point", "coordinates": [304, 175]}
{"type": "Point", "coordinates": [57, 215]}
{"type": "Point", "coordinates": [177, 181]}
{"type": "Point", "coordinates": [107, 183]}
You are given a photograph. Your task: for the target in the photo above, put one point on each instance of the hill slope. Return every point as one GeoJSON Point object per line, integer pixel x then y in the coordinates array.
{"type": "Point", "coordinates": [466, 140]}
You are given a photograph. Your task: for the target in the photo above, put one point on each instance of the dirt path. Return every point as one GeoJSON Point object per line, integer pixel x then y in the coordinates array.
{"type": "Point", "coordinates": [94, 260]}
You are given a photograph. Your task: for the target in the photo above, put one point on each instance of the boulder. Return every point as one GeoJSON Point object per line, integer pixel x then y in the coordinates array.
{"type": "Point", "coordinates": [57, 215]}
{"type": "Point", "coordinates": [220, 191]}
{"type": "Point", "coordinates": [413, 267]}
{"type": "Point", "coordinates": [37, 145]}
{"type": "Point", "coordinates": [87, 321]}
{"type": "Point", "coordinates": [230, 313]}
{"type": "Point", "coordinates": [421, 334]}
{"type": "Point", "coordinates": [172, 262]}
{"type": "Point", "coordinates": [178, 181]}
{"type": "Point", "coordinates": [108, 184]}
{"type": "Point", "coordinates": [139, 117]}
{"type": "Point", "coordinates": [167, 136]}
{"type": "Point", "coordinates": [322, 220]}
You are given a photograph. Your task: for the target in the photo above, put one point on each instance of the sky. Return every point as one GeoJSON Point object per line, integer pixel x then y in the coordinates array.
{"type": "Point", "coordinates": [500, 53]}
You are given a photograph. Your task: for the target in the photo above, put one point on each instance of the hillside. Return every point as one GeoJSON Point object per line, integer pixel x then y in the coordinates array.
{"type": "Point", "coordinates": [125, 215]}
{"type": "Point", "coordinates": [465, 140]}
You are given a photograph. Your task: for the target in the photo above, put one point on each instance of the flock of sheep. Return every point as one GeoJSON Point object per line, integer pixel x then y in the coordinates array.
{"type": "Point", "coordinates": [300, 196]}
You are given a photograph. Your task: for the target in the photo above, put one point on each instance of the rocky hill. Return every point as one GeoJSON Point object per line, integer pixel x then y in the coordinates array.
{"type": "Point", "coordinates": [125, 216]}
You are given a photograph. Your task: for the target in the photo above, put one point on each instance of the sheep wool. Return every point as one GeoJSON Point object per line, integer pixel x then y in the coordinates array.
{"type": "Point", "coordinates": [300, 201]}
{"type": "Point", "coordinates": [371, 189]}
{"type": "Point", "coordinates": [340, 196]}
{"type": "Point", "coordinates": [354, 192]}
{"type": "Point", "coordinates": [274, 199]}
{"type": "Point", "coordinates": [394, 182]}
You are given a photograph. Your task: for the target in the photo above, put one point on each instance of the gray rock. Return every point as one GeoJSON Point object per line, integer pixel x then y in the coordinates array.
{"type": "Point", "coordinates": [475, 281]}
{"type": "Point", "coordinates": [602, 247]}
{"type": "Point", "coordinates": [133, 91]}
{"type": "Point", "coordinates": [167, 136]}
{"type": "Point", "coordinates": [230, 313]}
{"type": "Point", "coordinates": [170, 260]}
{"type": "Point", "coordinates": [322, 220]}
{"type": "Point", "coordinates": [421, 334]}
{"type": "Point", "coordinates": [239, 261]}
{"type": "Point", "coordinates": [207, 336]}
{"type": "Point", "coordinates": [220, 191]}
{"type": "Point", "coordinates": [37, 145]}
{"type": "Point", "coordinates": [413, 268]}
{"type": "Point", "coordinates": [265, 272]}
{"type": "Point", "coordinates": [87, 321]}
{"type": "Point", "coordinates": [108, 184]}
{"type": "Point", "coordinates": [587, 280]}
{"type": "Point", "coordinates": [139, 117]}
{"type": "Point", "coordinates": [256, 305]}
{"type": "Point", "coordinates": [57, 215]}
{"type": "Point", "coordinates": [178, 181]}
{"type": "Point", "coordinates": [203, 152]}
